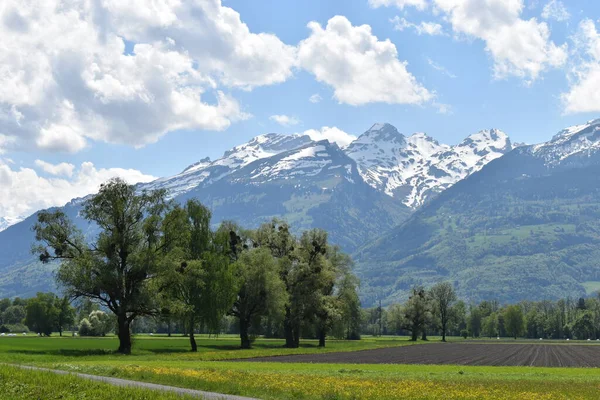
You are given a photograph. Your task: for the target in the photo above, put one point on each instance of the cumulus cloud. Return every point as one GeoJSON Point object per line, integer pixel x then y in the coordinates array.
{"type": "Point", "coordinates": [423, 28]}
{"type": "Point", "coordinates": [333, 134]}
{"type": "Point", "coordinates": [555, 10]}
{"type": "Point", "coordinates": [518, 47]}
{"type": "Point", "coordinates": [361, 68]}
{"type": "Point", "coordinates": [125, 72]}
{"type": "Point", "coordinates": [284, 120]}
{"type": "Point", "coordinates": [64, 169]}
{"type": "Point", "coordinates": [584, 90]}
{"type": "Point", "coordinates": [401, 4]}
{"type": "Point", "coordinates": [23, 191]}
{"type": "Point", "coordinates": [315, 98]}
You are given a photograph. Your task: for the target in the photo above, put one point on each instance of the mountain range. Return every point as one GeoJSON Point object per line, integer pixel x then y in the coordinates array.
{"type": "Point", "coordinates": [526, 226]}
{"type": "Point", "coordinates": [481, 213]}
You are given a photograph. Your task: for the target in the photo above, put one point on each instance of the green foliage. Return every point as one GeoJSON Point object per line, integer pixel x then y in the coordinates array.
{"type": "Point", "coordinates": [12, 315]}
{"type": "Point", "coordinates": [514, 322]}
{"type": "Point", "coordinates": [115, 270]}
{"type": "Point", "coordinates": [261, 291]}
{"type": "Point", "coordinates": [489, 325]}
{"type": "Point", "coordinates": [98, 323]}
{"type": "Point", "coordinates": [417, 312]}
{"type": "Point", "coordinates": [443, 297]}
{"type": "Point", "coordinates": [42, 313]}
{"type": "Point", "coordinates": [197, 281]}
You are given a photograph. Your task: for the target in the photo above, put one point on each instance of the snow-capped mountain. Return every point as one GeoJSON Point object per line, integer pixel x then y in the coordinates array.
{"type": "Point", "coordinates": [415, 167]}
{"type": "Point", "coordinates": [206, 171]}
{"type": "Point", "coordinates": [576, 144]}
{"type": "Point", "coordinates": [410, 169]}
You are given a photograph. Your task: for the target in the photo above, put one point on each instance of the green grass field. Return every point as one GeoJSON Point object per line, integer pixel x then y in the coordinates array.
{"type": "Point", "coordinates": [17, 384]}
{"type": "Point", "coordinates": [168, 361]}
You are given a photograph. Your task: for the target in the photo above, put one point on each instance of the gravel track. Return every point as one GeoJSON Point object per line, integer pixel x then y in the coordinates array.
{"type": "Point", "coordinates": [534, 355]}
{"type": "Point", "coordinates": [143, 385]}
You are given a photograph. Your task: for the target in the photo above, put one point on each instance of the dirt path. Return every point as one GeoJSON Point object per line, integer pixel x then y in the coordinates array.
{"type": "Point", "coordinates": [516, 354]}
{"type": "Point", "coordinates": [143, 385]}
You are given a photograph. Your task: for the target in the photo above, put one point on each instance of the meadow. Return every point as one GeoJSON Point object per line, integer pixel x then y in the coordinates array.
{"type": "Point", "coordinates": [168, 361]}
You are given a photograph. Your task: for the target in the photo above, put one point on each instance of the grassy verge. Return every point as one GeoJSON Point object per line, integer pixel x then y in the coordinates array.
{"type": "Point", "coordinates": [18, 384]}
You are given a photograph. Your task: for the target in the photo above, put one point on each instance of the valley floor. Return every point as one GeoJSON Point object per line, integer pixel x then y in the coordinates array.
{"type": "Point", "coordinates": [167, 361]}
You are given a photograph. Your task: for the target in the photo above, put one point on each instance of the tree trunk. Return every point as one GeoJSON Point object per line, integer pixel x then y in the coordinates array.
{"type": "Point", "coordinates": [288, 328]}
{"type": "Point", "coordinates": [192, 338]}
{"type": "Point", "coordinates": [296, 331]}
{"type": "Point", "coordinates": [60, 332]}
{"type": "Point", "coordinates": [415, 335]}
{"type": "Point", "coordinates": [245, 338]}
{"type": "Point", "coordinates": [322, 337]}
{"type": "Point", "coordinates": [124, 335]}
{"type": "Point", "coordinates": [443, 333]}
{"type": "Point", "coordinates": [424, 335]}
{"type": "Point", "coordinates": [169, 327]}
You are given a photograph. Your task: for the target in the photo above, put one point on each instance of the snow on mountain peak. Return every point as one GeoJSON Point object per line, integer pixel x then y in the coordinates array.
{"type": "Point", "coordinates": [383, 132]}
{"type": "Point", "coordinates": [572, 141]}
{"type": "Point", "coordinates": [408, 168]}
{"type": "Point", "coordinates": [415, 167]}
{"type": "Point", "coordinates": [304, 162]}
{"type": "Point", "coordinates": [206, 172]}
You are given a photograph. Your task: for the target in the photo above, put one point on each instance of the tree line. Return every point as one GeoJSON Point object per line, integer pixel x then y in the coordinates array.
{"type": "Point", "coordinates": [438, 311]}
{"type": "Point", "coordinates": [155, 258]}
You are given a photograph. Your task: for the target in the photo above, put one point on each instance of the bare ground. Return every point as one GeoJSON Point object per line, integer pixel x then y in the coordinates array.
{"type": "Point", "coordinates": [535, 355]}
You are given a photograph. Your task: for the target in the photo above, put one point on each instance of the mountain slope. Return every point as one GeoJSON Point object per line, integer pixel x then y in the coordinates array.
{"type": "Point", "coordinates": [316, 185]}
{"type": "Point", "coordinates": [526, 226]}
{"type": "Point", "coordinates": [415, 168]}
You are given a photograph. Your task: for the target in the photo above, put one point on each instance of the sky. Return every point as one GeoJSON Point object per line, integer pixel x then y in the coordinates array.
{"type": "Point", "coordinates": [141, 89]}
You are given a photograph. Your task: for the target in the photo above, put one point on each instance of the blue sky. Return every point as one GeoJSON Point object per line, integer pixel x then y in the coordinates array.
{"type": "Point", "coordinates": [475, 73]}
{"type": "Point", "coordinates": [477, 100]}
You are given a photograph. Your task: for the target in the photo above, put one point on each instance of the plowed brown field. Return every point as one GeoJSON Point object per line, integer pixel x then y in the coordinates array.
{"type": "Point", "coordinates": [537, 355]}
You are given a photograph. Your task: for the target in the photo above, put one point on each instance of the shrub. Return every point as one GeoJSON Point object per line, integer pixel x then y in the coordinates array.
{"type": "Point", "coordinates": [98, 324]}
{"type": "Point", "coordinates": [85, 328]}
{"type": "Point", "coordinates": [464, 333]}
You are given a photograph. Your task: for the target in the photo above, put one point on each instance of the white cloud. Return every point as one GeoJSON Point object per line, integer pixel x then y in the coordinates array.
{"type": "Point", "coordinates": [23, 191]}
{"type": "Point", "coordinates": [360, 68]}
{"type": "Point", "coordinates": [418, 4]}
{"type": "Point", "coordinates": [584, 90]}
{"type": "Point", "coordinates": [333, 134]}
{"type": "Point", "coordinates": [315, 98]}
{"type": "Point", "coordinates": [555, 10]}
{"type": "Point", "coordinates": [423, 28]}
{"type": "Point", "coordinates": [64, 169]}
{"type": "Point", "coordinates": [440, 68]}
{"type": "Point", "coordinates": [126, 72]}
{"type": "Point", "coordinates": [518, 47]}
{"type": "Point", "coordinates": [284, 120]}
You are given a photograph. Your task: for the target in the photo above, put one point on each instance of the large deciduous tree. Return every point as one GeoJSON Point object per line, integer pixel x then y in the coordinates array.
{"type": "Point", "coordinates": [444, 297]}
{"type": "Point", "coordinates": [261, 291]}
{"type": "Point", "coordinates": [514, 322]}
{"type": "Point", "coordinates": [198, 281]}
{"type": "Point", "coordinates": [116, 267]}
{"type": "Point", "coordinates": [417, 312]}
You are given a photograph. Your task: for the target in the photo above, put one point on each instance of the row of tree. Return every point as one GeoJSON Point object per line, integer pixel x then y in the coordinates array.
{"type": "Point", "coordinates": [438, 311]}
{"type": "Point", "coordinates": [155, 258]}
{"type": "Point", "coordinates": [43, 314]}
